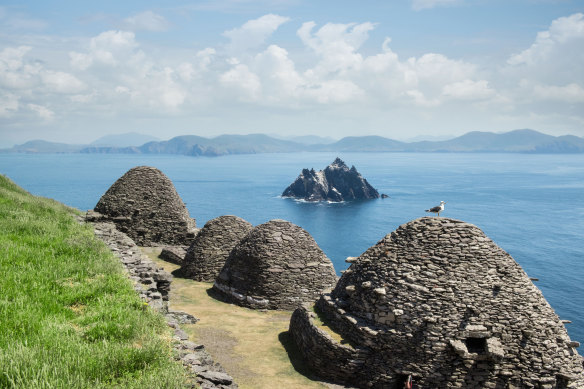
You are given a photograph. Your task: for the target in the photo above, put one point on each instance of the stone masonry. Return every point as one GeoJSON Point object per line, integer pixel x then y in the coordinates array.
{"type": "Point", "coordinates": [439, 301]}
{"type": "Point", "coordinates": [144, 204]}
{"type": "Point", "coordinates": [209, 252]}
{"type": "Point", "coordinates": [278, 265]}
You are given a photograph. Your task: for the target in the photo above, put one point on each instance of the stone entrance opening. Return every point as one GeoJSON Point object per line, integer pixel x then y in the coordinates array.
{"type": "Point", "coordinates": [476, 345]}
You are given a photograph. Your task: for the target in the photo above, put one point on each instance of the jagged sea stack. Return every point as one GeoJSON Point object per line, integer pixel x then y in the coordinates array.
{"type": "Point", "coordinates": [278, 265]}
{"type": "Point", "coordinates": [335, 183]}
{"type": "Point", "coordinates": [210, 249]}
{"type": "Point", "coordinates": [143, 203]}
{"type": "Point", "coordinates": [439, 301]}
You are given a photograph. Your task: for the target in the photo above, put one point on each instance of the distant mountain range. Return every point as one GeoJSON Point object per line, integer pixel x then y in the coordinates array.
{"type": "Point", "coordinates": [518, 141]}
{"type": "Point", "coordinates": [123, 140]}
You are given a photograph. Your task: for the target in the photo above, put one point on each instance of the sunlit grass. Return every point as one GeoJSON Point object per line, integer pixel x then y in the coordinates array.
{"type": "Point", "coordinates": [69, 317]}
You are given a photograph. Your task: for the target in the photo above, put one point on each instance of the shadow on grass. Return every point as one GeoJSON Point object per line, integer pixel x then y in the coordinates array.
{"type": "Point", "coordinates": [214, 294]}
{"type": "Point", "coordinates": [295, 356]}
{"type": "Point", "coordinates": [179, 273]}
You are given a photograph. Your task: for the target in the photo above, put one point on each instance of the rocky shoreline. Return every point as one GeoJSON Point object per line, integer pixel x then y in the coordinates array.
{"type": "Point", "coordinates": [153, 286]}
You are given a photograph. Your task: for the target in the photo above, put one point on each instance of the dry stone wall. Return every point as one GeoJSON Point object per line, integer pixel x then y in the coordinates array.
{"type": "Point", "coordinates": [278, 265]}
{"type": "Point", "coordinates": [144, 204]}
{"type": "Point", "coordinates": [210, 249]}
{"type": "Point", "coordinates": [440, 301]}
{"type": "Point", "coordinates": [153, 285]}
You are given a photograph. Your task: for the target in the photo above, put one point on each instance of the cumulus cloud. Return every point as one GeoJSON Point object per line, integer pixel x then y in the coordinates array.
{"type": "Point", "coordinates": [41, 111]}
{"type": "Point", "coordinates": [113, 72]}
{"type": "Point", "coordinates": [563, 32]}
{"type": "Point", "coordinates": [108, 48]}
{"type": "Point", "coordinates": [15, 73]}
{"type": "Point", "coordinates": [418, 5]}
{"type": "Point", "coordinates": [147, 20]}
{"type": "Point", "coordinates": [253, 33]}
{"type": "Point", "coordinates": [551, 68]}
{"type": "Point", "coordinates": [242, 79]}
{"type": "Point", "coordinates": [468, 90]}
{"type": "Point", "coordinates": [62, 82]}
{"type": "Point", "coordinates": [335, 44]}
{"type": "Point", "coordinates": [571, 93]}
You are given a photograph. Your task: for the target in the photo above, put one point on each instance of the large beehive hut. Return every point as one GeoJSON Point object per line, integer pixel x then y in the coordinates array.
{"type": "Point", "coordinates": [439, 301]}
{"type": "Point", "coordinates": [143, 203]}
{"type": "Point", "coordinates": [210, 249]}
{"type": "Point", "coordinates": [278, 265]}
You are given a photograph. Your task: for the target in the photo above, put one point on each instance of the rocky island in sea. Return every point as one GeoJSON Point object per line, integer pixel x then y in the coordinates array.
{"type": "Point", "coordinates": [335, 183]}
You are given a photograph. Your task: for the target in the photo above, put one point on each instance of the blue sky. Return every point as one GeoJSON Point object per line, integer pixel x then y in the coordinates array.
{"type": "Point", "coordinates": [74, 71]}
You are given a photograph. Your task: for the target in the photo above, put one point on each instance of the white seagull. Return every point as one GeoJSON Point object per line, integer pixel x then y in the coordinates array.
{"type": "Point", "coordinates": [437, 209]}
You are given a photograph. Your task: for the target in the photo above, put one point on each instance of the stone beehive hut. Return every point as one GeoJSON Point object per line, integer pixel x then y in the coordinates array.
{"type": "Point", "coordinates": [143, 203]}
{"type": "Point", "coordinates": [278, 265]}
{"type": "Point", "coordinates": [210, 249]}
{"type": "Point", "coordinates": [439, 301]}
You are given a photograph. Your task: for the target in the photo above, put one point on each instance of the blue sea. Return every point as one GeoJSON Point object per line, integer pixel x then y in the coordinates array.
{"type": "Point", "coordinates": [530, 205]}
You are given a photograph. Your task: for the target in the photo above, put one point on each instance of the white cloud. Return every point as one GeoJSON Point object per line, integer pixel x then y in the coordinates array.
{"type": "Point", "coordinates": [468, 90]}
{"type": "Point", "coordinates": [335, 91]}
{"type": "Point", "coordinates": [8, 104]}
{"type": "Point", "coordinates": [330, 75]}
{"type": "Point", "coordinates": [418, 5]}
{"type": "Point", "coordinates": [62, 82]}
{"type": "Point", "coordinates": [551, 68]}
{"type": "Point", "coordinates": [15, 73]}
{"type": "Point", "coordinates": [147, 20]}
{"type": "Point", "coordinates": [571, 93]}
{"type": "Point", "coordinates": [437, 69]}
{"type": "Point", "coordinates": [41, 111]}
{"type": "Point", "coordinates": [244, 81]}
{"type": "Point", "coordinates": [281, 80]}
{"type": "Point", "coordinates": [562, 32]}
{"type": "Point", "coordinates": [335, 44]}
{"type": "Point", "coordinates": [108, 48]}
{"type": "Point", "coordinates": [254, 33]}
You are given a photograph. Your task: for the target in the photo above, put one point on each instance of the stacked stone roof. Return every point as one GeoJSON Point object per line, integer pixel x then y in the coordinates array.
{"type": "Point", "coordinates": [278, 265]}
{"type": "Point", "coordinates": [144, 204]}
{"type": "Point", "coordinates": [441, 302]}
{"type": "Point", "coordinates": [210, 249]}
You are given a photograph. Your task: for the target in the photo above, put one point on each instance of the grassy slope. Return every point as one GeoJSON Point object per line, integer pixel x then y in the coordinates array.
{"type": "Point", "coordinates": [69, 318]}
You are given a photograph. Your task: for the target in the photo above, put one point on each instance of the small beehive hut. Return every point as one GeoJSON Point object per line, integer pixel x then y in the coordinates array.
{"type": "Point", "coordinates": [143, 203]}
{"type": "Point", "coordinates": [210, 249]}
{"type": "Point", "coordinates": [278, 265]}
{"type": "Point", "coordinates": [439, 301]}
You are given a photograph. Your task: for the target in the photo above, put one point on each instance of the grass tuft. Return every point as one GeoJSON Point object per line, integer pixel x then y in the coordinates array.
{"type": "Point", "coordinates": [69, 317]}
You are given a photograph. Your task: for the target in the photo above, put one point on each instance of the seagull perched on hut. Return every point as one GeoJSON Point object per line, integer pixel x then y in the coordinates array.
{"type": "Point", "coordinates": [437, 209]}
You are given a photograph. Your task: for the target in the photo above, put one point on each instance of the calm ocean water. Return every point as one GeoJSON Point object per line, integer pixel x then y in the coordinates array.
{"type": "Point", "coordinates": [530, 205]}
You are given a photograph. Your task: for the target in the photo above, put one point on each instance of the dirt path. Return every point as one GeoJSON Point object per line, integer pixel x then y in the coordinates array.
{"type": "Point", "coordinates": [252, 346]}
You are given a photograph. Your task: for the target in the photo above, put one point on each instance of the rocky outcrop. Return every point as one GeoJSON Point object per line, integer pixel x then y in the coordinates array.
{"type": "Point", "coordinates": [278, 265]}
{"type": "Point", "coordinates": [209, 252]}
{"type": "Point", "coordinates": [439, 301]}
{"type": "Point", "coordinates": [144, 204]}
{"type": "Point", "coordinates": [335, 183]}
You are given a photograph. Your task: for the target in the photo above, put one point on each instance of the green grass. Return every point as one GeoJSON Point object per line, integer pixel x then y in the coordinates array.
{"type": "Point", "coordinates": [69, 317]}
